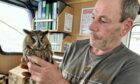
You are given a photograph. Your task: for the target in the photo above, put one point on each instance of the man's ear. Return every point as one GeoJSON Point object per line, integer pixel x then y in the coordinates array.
{"type": "Point", "coordinates": [127, 26]}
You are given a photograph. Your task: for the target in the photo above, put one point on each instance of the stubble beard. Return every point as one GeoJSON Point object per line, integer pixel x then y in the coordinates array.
{"type": "Point", "coordinates": [104, 43]}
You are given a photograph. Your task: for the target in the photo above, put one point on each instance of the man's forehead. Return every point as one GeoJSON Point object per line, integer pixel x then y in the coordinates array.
{"type": "Point", "coordinates": [105, 17]}
{"type": "Point", "coordinates": [108, 5]}
{"type": "Point", "coordinates": [107, 9]}
{"type": "Point", "coordinates": [97, 13]}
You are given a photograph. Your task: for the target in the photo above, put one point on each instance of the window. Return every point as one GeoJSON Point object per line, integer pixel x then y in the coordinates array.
{"type": "Point", "coordinates": [13, 19]}
{"type": "Point", "coordinates": [134, 42]}
{"type": "Point", "coordinates": [135, 39]}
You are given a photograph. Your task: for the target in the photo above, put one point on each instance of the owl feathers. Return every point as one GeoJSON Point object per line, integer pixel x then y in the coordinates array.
{"type": "Point", "coordinates": [37, 44]}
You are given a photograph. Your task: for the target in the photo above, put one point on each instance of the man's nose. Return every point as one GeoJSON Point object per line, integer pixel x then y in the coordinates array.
{"type": "Point", "coordinates": [94, 26]}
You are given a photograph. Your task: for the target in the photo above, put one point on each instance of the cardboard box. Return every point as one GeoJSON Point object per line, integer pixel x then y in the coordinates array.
{"type": "Point", "coordinates": [16, 77]}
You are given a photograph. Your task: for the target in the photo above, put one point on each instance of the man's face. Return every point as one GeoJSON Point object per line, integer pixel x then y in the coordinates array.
{"type": "Point", "coordinates": [105, 27]}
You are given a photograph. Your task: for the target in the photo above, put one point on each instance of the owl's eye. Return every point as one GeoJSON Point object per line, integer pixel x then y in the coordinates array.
{"type": "Point", "coordinates": [33, 39]}
{"type": "Point", "coordinates": [42, 37]}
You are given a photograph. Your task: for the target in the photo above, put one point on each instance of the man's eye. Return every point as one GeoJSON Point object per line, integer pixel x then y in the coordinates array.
{"type": "Point", "coordinates": [93, 17]}
{"type": "Point", "coordinates": [102, 21]}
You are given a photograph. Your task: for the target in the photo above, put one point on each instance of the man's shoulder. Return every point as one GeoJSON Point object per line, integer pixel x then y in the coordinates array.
{"type": "Point", "coordinates": [134, 57]}
{"type": "Point", "coordinates": [131, 56]}
{"type": "Point", "coordinates": [79, 45]}
{"type": "Point", "coordinates": [82, 42]}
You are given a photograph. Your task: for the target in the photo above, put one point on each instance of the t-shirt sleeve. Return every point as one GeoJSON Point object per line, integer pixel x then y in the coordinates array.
{"type": "Point", "coordinates": [67, 55]}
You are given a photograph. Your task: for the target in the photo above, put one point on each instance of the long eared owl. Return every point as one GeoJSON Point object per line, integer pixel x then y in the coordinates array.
{"type": "Point", "coordinates": [36, 43]}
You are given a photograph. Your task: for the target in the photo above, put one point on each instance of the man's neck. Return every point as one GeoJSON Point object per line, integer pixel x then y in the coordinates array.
{"type": "Point", "coordinates": [97, 51]}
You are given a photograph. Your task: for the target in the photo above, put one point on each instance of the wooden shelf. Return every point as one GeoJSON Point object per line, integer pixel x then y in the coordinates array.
{"type": "Point", "coordinates": [78, 6]}
{"type": "Point", "coordinates": [44, 20]}
{"type": "Point", "coordinates": [61, 19]}
{"type": "Point", "coordinates": [74, 8]}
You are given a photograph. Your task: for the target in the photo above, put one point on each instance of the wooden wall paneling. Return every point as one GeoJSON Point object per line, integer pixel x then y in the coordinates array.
{"type": "Point", "coordinates": [61, 18]}
{"type": "Point", "coordinates": [77, 15]}
{"type": "Point", "coordinates": [139, 1]}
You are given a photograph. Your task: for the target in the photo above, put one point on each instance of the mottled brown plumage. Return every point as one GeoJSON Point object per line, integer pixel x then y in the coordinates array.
{"type": "Point", "coordinates": [37, 44]}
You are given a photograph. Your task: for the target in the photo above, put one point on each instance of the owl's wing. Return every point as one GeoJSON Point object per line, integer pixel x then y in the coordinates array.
{"type": "Point", "coordinates": [27, 52]}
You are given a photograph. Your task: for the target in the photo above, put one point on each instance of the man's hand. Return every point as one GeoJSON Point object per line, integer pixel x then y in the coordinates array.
{"type": "Point", "coordinates": [43, 72]}
{"type": "Point", "coordinates": [25, 66]}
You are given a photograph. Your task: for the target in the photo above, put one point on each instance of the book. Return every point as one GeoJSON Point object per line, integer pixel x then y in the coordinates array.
{"type": "Point", "coordinates": [56, 40]}
{"type": "Point", "coordinates": [57, 8]}
{"type": "Point", "coordinates": [43, 14]}
{"type": "Point", "coordinates": [47, 15]}
{"type": "Point", "coordinates": [54, 15]}
{"type": "Point", "coordinates": [39, 11]}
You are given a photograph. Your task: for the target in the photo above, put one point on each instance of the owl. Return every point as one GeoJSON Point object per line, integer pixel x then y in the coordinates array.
{"type": "Point", "coordinates": [37, 44]}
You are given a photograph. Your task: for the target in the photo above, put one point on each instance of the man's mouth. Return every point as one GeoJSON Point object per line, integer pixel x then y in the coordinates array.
{"type": "Point", "coordinates": [94, 36]}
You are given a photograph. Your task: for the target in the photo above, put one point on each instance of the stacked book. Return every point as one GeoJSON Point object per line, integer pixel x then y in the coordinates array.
{"type": "Point", "coordinates": [56, 40]}
{"type": "Point", "coordinates": [47, 13]}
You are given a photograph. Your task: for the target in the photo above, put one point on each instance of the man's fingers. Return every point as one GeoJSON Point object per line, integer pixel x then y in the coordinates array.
{"type": "Point", "coordinates": [33, 68]}
{"type": "Point", "coordinates": [27, 74]}
{"type": "Point", "coordinates": [23, 60]}
{"type": "Point", "coordinates": [23, 63]}
{"type": "Point", "coordinates": [39, 61]}
{"type": "Point", "coordinates": [24, 66]}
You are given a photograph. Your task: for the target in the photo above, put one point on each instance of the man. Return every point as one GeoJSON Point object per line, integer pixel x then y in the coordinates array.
{"type": "Point", "coordinates": [103, 59]}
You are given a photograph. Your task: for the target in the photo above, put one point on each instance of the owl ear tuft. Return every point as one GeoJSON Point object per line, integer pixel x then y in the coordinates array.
{"type": "Point", "coordinates": [26, 31]}
{"type": "Point", "coordinates": [45, 32]}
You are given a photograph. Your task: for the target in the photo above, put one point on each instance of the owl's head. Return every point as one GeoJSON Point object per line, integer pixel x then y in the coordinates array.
{"type": "Point", "coordinates": [36, 39]}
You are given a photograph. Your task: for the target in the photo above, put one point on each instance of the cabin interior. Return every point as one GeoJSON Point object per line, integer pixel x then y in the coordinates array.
{"type": "Point", "coordinates": [17, 15]}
